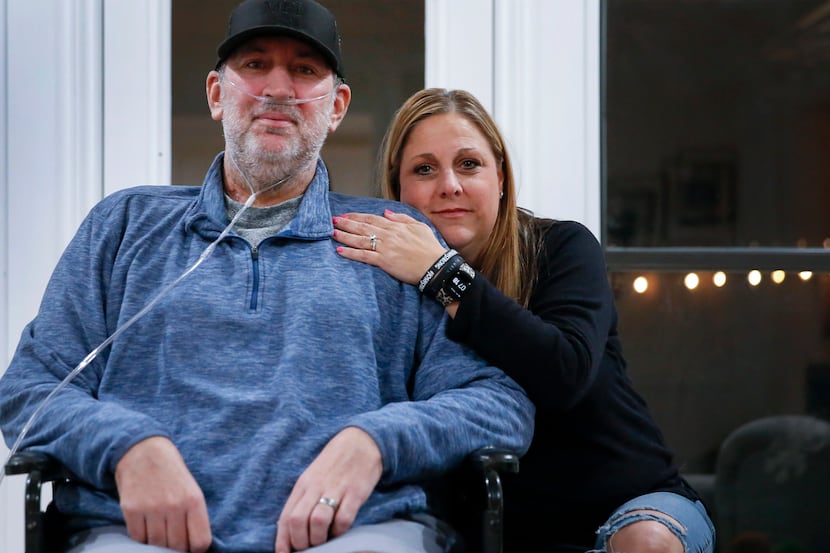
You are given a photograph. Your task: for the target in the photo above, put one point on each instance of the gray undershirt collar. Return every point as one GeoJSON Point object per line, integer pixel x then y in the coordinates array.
{"type": "Point", "coordinates": [259, 223]}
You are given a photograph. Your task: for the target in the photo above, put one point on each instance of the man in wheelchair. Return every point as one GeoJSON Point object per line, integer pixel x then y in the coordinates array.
{"type": "Point", "coordinates": [218, 377]}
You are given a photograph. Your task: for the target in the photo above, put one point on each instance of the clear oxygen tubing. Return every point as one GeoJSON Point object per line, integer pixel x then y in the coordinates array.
{"type": "Point", "coordinates": [118, 331]}
{"type": "Point", "coordinates": [279, 101]}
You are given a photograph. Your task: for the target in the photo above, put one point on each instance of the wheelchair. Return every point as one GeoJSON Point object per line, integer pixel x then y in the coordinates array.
{"type": "Point", "coordinates": [476, 508]}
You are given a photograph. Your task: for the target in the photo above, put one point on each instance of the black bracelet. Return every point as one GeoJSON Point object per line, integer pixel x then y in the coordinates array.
{"type": "Point", "coordinates": [435, 269]}
{"type": "Point", "coordinates": [455, 284]}
{"type": "Point", "coordinates": [437, 282]}
{"type": "Point", "coordinates": [448, 278]}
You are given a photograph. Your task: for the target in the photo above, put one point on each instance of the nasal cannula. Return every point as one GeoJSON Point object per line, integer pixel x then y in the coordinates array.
{"type": "Point", "coordinates": [164, 291]}
{"type": "Point", "coordinates": [278, 101]}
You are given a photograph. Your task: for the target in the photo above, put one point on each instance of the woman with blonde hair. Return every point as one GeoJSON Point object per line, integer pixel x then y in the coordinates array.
{"type": "Point", "coordinates": [531, 296]}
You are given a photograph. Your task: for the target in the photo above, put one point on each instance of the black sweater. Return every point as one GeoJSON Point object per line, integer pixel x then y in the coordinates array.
{"type": "Point", "coordinates": [596, 445]}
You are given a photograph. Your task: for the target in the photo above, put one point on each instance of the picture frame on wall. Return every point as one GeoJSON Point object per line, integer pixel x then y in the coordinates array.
{"type": "Point", "coordinates": [633, 212]}
{"type": "Point", "coordinates": [699, 199]}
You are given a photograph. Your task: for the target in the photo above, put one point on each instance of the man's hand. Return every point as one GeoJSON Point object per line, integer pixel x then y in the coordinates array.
{"type": "Point", "coordinates": [161, 501]}
{"type": "Point", "coordinates": [347, 471]}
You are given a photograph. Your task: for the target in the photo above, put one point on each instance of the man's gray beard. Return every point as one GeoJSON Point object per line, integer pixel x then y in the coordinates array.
{"type": "Point", "coordinates": [263, 169]}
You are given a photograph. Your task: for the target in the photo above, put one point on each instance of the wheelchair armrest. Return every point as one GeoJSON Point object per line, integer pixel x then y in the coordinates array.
{"type": "Point", "coordinates": [491, 463]}
{"type": "Point", "coordinates": [492, 457]}
{"type": "Point", "coordinates": [41, 468]}
{"type": "Point", "coordinates": [26, 462]}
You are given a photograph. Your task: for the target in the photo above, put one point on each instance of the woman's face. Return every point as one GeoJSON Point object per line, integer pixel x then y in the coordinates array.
{"type": "Point", "coordinates": [449, 173]}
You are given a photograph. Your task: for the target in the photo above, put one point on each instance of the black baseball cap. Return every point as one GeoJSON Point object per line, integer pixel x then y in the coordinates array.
{"type": "Point", "coordinates": [301, 19]}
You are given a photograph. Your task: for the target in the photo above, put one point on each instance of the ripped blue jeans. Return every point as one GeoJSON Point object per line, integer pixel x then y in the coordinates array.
{"type": "Point", "coordinates": [695, 531]}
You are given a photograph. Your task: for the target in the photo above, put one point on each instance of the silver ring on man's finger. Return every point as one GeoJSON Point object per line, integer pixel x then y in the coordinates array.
{"type": "Point", "coordinates": [373, 242]}
{"type": "Point", "coordinates": [333, 503]}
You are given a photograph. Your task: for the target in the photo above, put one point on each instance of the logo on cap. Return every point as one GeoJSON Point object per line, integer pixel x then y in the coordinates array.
{"type": "Point", "coordinates": [288, 11]}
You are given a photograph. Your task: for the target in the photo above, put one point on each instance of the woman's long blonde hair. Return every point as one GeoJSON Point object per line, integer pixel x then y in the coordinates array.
{"type": "Point", "coordinates": [508, 260]}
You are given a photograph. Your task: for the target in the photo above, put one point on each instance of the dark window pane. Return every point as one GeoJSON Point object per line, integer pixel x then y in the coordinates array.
{"type": "Point", "coordinates": [718, 122]}
{"type": "Point", "coordinates": [717, 133]}
{"type": "Point", "coordinates": [710, 359]}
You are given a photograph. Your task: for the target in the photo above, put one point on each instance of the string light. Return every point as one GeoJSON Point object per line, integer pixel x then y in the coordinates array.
{"type": "Point", "coordinates": [691, 281]}
{"type": "Point", "coordinates": [640, 284]}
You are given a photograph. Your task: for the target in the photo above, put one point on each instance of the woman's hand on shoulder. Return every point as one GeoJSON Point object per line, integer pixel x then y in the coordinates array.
{"type": "Point", "coordinates": [403, 247]}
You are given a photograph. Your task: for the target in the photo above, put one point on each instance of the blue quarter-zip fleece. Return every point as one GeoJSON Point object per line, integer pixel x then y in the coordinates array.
{"type": "Point", "coordinates": [248, 366]}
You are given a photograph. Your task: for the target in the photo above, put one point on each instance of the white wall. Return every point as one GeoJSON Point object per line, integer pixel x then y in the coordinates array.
{"type": "Point", "coordinates": [137, 121]}
{"type": "Point", "coordinates": [459, 46]}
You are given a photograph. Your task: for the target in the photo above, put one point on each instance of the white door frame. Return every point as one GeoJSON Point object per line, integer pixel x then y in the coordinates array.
{"type": "Point", "coordinates": [84, 113]}
{"type": "Point", "coordinates": [537, 71]}
{"type": "Point", "coordinates": [51, 156]}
